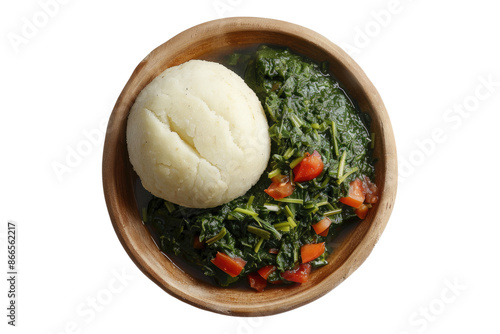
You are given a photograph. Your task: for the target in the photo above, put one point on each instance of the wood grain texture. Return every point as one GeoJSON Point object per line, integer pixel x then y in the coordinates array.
{"type": "Point", "coordinates": [200, 42]}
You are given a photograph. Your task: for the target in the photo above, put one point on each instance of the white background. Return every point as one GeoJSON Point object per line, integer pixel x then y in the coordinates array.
{"type": "Point", "coordinates": [436, 65]}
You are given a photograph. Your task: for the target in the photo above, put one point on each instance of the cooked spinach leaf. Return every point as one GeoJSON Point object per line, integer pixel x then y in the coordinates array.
{"type": "Point", "coordinates": [307, 110]}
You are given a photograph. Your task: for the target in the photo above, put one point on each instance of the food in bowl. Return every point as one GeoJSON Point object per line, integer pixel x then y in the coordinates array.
{"type": "Point", "coordinates": [197, 135]}
{"type": "Point", "coordinates": [319, 179]}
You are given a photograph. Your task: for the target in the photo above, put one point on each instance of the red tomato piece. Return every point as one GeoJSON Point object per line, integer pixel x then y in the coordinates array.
{"type": "Point", "coordinates": [311, 251]}
{"type": "Point", "coordinates": [356, 195]}
{"type": "Point", "coordinates": [230, 265]}
{"type": "Point", "coordinates": [299, 274]}
{"type": "Point", "coordinates": [322, 225]}
{"type": "Point", "coordinates": [309, 168]}
{"type": "Point", "coordinates": [325, 232]}
{"type": "Point", "coordinates": [279, 190]}
{"type": "Point", "coordinates": [266, 271]}
{"type": "Point", "coordinates": [371, 191]}
{"type": "Point", "coordinates": [256, 282]}
{"type": "Point", "coordinates": [362, 211]}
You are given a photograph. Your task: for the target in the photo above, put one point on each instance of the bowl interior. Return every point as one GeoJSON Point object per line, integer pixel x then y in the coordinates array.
{"type": "Point", "coordinates": [206, 41]}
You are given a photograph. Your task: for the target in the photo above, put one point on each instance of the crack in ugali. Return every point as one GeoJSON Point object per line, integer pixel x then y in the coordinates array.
{"type": "Point", "coordinates": [193, 149]}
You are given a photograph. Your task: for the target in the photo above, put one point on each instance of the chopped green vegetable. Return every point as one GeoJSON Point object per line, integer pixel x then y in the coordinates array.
{"type": "Point", "coordinates": [307, 111]}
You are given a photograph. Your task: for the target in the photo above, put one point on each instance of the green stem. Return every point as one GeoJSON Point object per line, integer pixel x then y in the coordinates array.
{"type": "Point", "coordinates": [257, 246]}
{"type": "Point", "coordinates": [342, 179]}
{"type": "Point", "coordinates": [325, 182]}
{"type": "Point", "coordinates": [289, 212]}
{"type": "Point", "coordinates": [332, 212]}
{"type": "Point", "coordinates": [250, 201]}
{"type": "Point", "coordinates": [292, 222]}
{"type": "Point", "coordinates": [296, 121]}
{"type": "Point", "coordinates": [246, 212]}
{"type": "Point", "coordinates": [291, 200]}
{"type": "Point", "coordinates": [283, 226]}
{"type": "Point", "coordinates": [334, 135]}
{"type": "Point", "coordinates": [341, 165]}
{"type": "Point", "coordinates": [288, 153]}
{"type": "Point", "coordinates": [268, 227]}
{"type": "Point", "coordinates": [274, 173]}
{"type": "Point", "coordinates": [296, 161]}
{"type": "Point", "coordinates": [259, 232]}
{"type": "Point", "coordinates": [217, 237]}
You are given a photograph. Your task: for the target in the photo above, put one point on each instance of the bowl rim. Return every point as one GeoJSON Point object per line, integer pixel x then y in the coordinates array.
{"type": "Point", "coordinates": [372, 226]}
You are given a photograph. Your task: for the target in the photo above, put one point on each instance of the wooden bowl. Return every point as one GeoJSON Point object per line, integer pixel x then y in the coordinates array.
{"type": "Point", "coordinates": [202, 42]}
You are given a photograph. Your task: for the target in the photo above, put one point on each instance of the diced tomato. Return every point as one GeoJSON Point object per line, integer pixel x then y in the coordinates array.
{"type": "Point", "coordinates": [256, 282]}
{"type": "Point", "coordinates": [274, 251]}
{"type": "Point", "coordinates": [311, 251]}
{"type": "Point", "coordinates": [322, 225]}
{"type": "Point", "coordinates": [356, 195]}
{"type": "Point", "coordinates": [299, 274]}
{"type": "Point", "coordinates": [371, 191]}
{"type": "Point", "coordinates": [266, 271]}
{"type": "Point", "coordinates": [279, 189]}
{"type": "Point", "coordinates": [362, 211]}
{"type": "Point", "coordinates": [324, 233]}
{"type": "Point", "coordinates": [309, 168]}
{"type": "Point", "coordinates": [370, 198]}
{"type": "Point", "coordinates": [197, 244]}
{"type": "Point", "coordinates": [280, 178]}
{"type": "Point", "coordinates": [230, 265]}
